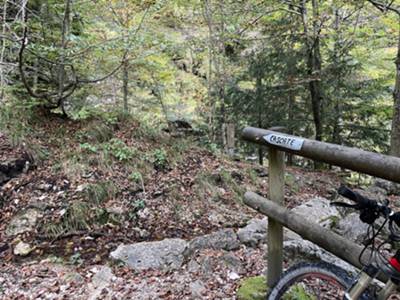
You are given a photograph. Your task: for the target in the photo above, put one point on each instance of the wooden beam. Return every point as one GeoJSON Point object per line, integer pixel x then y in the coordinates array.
{"type": "Point", "coordinates": [326, 239]}
{"type": "Point", "coordinates": [276, 163]}
{"type": "Point", "coordinates": [375, 164]}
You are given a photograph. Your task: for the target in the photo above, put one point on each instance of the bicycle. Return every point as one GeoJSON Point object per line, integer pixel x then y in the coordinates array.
{"type": "Point", "coordinates": [323, 280]}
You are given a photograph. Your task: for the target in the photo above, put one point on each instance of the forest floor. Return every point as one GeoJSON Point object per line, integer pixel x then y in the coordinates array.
{"type": "Point", "coordinates": [95, 185]}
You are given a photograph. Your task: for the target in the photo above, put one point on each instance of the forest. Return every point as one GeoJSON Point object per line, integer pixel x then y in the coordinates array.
{"type": "Point", "coordinates": [120, 126]}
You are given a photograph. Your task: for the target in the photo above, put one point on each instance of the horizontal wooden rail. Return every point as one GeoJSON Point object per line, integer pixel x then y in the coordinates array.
{"type": "Point", "coordinates": [326, 239]}
{"type": "Point", "coordinates": [379, 165]}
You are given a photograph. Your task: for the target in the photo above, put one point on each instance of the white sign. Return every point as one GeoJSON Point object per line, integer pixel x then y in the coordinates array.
{"type": "Point", "coordinates": [284, 141]}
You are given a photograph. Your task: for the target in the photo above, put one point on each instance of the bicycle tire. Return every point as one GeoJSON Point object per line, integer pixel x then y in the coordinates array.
{"type": "Point", "coordinates": [303, 278]}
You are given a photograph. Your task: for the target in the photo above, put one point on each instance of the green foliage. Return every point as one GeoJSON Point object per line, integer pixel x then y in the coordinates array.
{"type": "Point", "coordinates": [135, 207]}
{"type": "Point", "coordinates": [231, 184]}
{"type": "Point", "coordinates": [119, 149]}
{"type": "Point", "coordinates": [252, 175]}
{"type": "Point", "coordinates": [89, 147]}
{"type": "Point", "coordinates": [16, 119]}
{"type": "Point", "coordinates": [160, 158]}
{"type": "Point", "coordinates": [136, 177]}
{"type": "Point", "coordinates": [101, 191]}
{"type": "Point", "coordinates": [76, 259]}
{"type": "Point", "coordinates": [78, 216]}
{"type": "Point", "coordinates": [252, 288]}
{"type": "Point", "coordinates": [208, 186]}
{"type": "Point", "coordinates": [298, 292]}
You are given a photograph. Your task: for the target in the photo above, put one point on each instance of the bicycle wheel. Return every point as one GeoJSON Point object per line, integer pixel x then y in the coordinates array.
{"type": "Point", "coordinates": [311, 281]}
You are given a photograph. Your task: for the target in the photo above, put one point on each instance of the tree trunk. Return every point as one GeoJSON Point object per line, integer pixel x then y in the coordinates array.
{"type": "Point", "coordinates": [64, 41]}
{"type": "Point", "coordinates": [290, 115]}
{"type": "Point", "coordinates": [314, 71]}
{"type": "Point", "coordinates": [3, 49]}
{"type": "Point", "coordinates": [230, 138]}
{"type": "Point", "coordinates": [125, 79]}
{"type": "Point", "coordinates": [395, 136]}
{"type": "Point", "coordinates": [336, 137]}
{"type": "Point", "coordinates": [259, 108]}
{"type": "Point", "coordinates": [313, 65]}
{"type": "Point", "coordinates": [210, 51]}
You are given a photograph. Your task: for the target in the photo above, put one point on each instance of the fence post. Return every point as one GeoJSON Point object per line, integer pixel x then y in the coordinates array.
{"type": "Point", "coordinates": [276, 163]}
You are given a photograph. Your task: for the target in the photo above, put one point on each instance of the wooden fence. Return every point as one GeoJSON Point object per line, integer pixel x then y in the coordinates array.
{"type": "Point", "coordinates": [379, 165]}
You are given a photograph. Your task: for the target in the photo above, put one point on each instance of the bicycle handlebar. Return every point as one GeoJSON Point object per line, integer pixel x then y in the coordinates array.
{"type": "Point", "coordinates": [362, 202]}
{"type": "Point", "coordinates": [370, 209]}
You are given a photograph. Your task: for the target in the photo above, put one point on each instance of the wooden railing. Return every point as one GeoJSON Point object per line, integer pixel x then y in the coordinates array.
{"type": "Point", "coordinates": [379, 165]}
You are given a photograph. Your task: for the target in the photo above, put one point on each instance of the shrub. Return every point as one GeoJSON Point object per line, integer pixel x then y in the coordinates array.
{"type": "Point", "coordinates": [119, 149]}
{"type": "Point", "coordinates": [160, 159]}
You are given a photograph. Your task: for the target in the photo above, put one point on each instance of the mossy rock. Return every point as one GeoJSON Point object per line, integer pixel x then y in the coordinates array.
{"type": "Point", "coordinates": [252, 288]}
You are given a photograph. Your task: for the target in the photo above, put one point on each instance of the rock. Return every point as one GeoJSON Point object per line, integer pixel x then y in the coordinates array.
{"type": "Point", "coordinates": [11, 168]}
{"type": "Point", "coordinates": [161, 255]}
{"type": "Point", "coordinates": [252, 288]}
{"type": "Point", "coordinates": [197, 288]}
{"type": "Point", "coordinates": [23, 222]}
{"type": "Point", "coordinates": [45, 187]}
{"type": "Point", "coordinates": [216, 218]}
{"type": "Point", "coordinates": [374, 193]}
{"type": "Point", "coordinates": [3, 178]}
{"type": "Point", "coordinates": [233, 275]}
{"type": "Point", "coordinates": [193, 266]}
{"type": "Point", "coordinates": [390, 187]}
{"type": "Point", "coordinates": [377, 191]}
{"type": "Point", "coordinates": [352, 227]}
{"type": "Point", "coordinates": [73, 277]}
{"type": "Point", "coordinates": [22, 249]}
{"type": "Point", "coordinates": [225, 239]}
{"type": "Point", "coordinates": [299, 249]}
{"type": "Point", "coordinates": [318, 210]}
{"type": "Point", "coordinates": [254, 233]}
{"type": "Point", "coordinates": [233, 263]}
{"type": "Point", "coordinates": [101, 279]}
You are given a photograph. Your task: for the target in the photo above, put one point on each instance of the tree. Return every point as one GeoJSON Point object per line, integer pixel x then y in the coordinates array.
{"type": "Point", "coordinates": [53, 54]}
{"type": "Point", "coordinates": [385, 7]}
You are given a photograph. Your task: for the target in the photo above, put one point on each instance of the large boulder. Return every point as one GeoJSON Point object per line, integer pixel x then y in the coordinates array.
{"type": "Point", "coordinates": [352, 227]}
{"type": "Point", "coordinates": [317, 210]}
{"type": "Point", "coordinates": [390, 187]}
{"type": "Point", "coordinates": [225, 239]}
{"type": "Point", "coordinates": [254, 232]}
{"type": "Point", "coordinates": [161, 255]}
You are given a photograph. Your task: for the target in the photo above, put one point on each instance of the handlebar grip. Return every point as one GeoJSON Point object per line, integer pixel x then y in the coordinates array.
{"type": "Point", "coordinates": [346, 192]}
{"type": "Point", "coordinates": [362, 201]}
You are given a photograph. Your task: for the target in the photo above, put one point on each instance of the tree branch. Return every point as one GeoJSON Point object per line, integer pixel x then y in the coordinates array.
{"type": "Point", "coordinates": [384, 8]}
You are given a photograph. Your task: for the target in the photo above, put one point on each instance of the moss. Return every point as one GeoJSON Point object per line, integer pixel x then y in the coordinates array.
{"type": "Point", "coordinates": [252, 288]}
